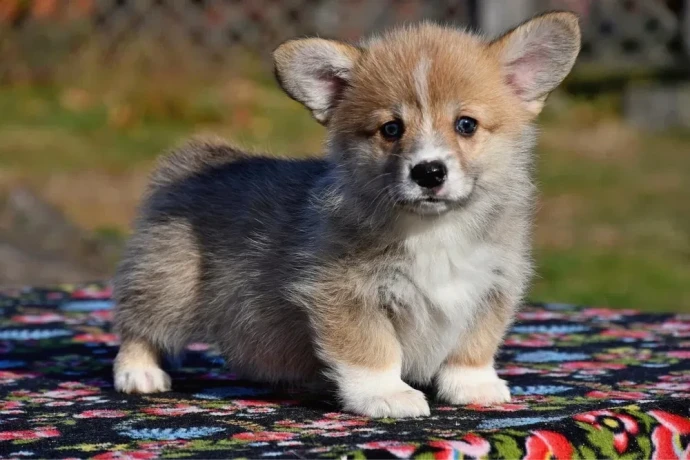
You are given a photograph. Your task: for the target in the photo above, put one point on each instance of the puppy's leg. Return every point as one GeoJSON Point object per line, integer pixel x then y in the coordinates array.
{"type": "Point", "coordinates": [364, 358]}
{"type": "Point", "coordinates": [468, 376]}
{"type": "Point", "coordinates": [137, 368]}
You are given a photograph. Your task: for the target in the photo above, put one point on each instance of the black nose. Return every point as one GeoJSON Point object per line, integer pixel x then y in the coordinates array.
{"type": "Point", "coordinates": [429, 174]}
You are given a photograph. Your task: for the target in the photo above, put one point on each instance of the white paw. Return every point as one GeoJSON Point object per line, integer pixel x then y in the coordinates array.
{"type": "Point", "coordinates": [379, 393]}
{"type": "Point", "coordinates": [401, 404]}
{"type": "Point", "coordinates": [142, 380]}
{"type": "Point", "coordinates": [464, 385]}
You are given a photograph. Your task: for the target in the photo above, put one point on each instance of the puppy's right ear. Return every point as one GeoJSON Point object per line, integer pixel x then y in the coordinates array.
{"type": "Point", "coordinates": [315, 72]}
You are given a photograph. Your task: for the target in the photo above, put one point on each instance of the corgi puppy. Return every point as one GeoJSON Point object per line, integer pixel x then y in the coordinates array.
{"type": "Point", "coordinates": [399, 258]}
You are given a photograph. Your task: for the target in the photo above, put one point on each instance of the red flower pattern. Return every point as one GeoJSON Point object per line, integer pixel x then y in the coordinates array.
{"type": "Point", "coordinates": [93, 293]}
{"type": "Point", "coordinates": [631, 395]}
{"type": "Point", "coordinates": [470, 445]}
{"type": "Point", "coordinates": [623, 426]}
{"type": "Point", "coordinates": [544, 444]}
{"type": "Point", "coordinates": [175, 411]}
{"type": "Point", "coordinates": [264, 436]}
{"type": "Point", "coordinates": [97, 338]}
{"type": "Point", "coordinates": [397, 448]}
{"type": "Point", "coordinates": [130, 455]}
{"type": "Point", "coordinates": [101, 414]}
{"type": "Point", "coordinates": [592, 365]}
{"type": "Point", "coordinates": [43, 432]}
{"type": "Point", "coordinates": [666, 438]}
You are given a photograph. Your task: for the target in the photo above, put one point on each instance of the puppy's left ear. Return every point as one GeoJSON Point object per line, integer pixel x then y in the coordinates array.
{"type": "Point", "coordinates": [537, 55]}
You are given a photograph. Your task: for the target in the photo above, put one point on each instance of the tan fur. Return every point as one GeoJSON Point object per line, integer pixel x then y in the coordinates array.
{"type": "Point", "coordinates": [137, 353]}
{"type": "Point", "coordinates": [464, 77]}
{"type": "Point", "coordinates": [479, 346]}
{"type": "Point", "coordinates": [351, 327]}
{"type": "Point", "coordinates": [354, 338]}
{"type": "Point", "coordinates": [171, 252]}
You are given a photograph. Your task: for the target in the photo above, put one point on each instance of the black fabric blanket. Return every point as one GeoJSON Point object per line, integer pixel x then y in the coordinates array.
{"type": "Point", "coordinates": [587, 383]}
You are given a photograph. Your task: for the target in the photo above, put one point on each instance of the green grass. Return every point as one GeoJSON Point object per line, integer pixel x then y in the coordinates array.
{"type": "Point", "coordinates": [41, 135]}
{"type": "Point", "coordinates": [616, 278]}
{"type": "Point", "coordinates": [613, 226]}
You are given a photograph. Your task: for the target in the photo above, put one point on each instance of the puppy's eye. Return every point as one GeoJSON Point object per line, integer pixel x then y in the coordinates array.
{"type": "Point", "coordinates": [465, 126]}
{"type": "Point", "coordinates": [393, 130]}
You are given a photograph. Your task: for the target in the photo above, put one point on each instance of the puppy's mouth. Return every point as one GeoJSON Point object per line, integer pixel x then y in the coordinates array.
{"type": "Point", "coordinates": [433, 205]}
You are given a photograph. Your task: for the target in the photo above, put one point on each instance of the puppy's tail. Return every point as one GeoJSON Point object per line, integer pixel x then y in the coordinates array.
{"type": "Point", "coordinates": [193, 157]}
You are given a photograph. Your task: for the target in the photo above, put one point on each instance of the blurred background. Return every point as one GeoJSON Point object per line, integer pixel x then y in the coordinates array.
{"type": "Point", "coordinates": [92, 91]}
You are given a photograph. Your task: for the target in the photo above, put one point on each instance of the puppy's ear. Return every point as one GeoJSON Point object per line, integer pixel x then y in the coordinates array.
{"type": "Point", "coordinates": [315, 72]}
{"type": "Point", "coordinates": [537, 55]}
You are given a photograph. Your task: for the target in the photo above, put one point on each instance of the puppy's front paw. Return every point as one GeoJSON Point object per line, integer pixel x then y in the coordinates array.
{"type": "Point", "coordinates": [379, 394]}
{"type": "Point", "coordinates": [472, 385]}
{"type": "Point", "coordinates": [400, 404]}
{"type": "Point", "coordinates": [142, 380]}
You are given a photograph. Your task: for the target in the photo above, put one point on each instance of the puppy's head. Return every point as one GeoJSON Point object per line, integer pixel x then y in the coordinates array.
{"type": "Point", "coordinates": [426, 117]}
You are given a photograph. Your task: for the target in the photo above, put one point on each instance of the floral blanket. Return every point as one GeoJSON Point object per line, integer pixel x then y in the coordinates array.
{"type": "Point", "coordinates": [587, 383]}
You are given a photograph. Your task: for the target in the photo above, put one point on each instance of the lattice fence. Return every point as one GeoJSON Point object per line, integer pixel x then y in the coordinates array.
{"type": "Point", "coordinates": [37, 37]}
{"type": "Point", "coordinates": [632, 33]}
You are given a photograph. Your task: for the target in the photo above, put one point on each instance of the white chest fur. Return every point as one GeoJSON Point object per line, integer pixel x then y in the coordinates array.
{"type": "Point", "coordinates": [447, 276]}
